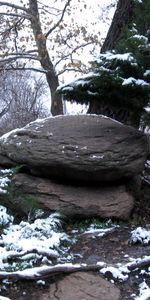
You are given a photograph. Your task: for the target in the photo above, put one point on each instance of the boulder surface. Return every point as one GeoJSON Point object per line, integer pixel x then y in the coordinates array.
{"type": "Point", "coordinates": [79, 148]}
{"type": "Point", "coordinates": [73, 201]}
{"type": "Point", "coordinates": [81, 285]}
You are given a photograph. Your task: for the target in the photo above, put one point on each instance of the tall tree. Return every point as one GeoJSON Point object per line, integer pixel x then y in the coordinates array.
{"type": "Point", "coordinates": [45, 21]}
{"type": "Point", "coordinates": [119, 86]}
{"type": "Point", "coordinates": [123, 17]}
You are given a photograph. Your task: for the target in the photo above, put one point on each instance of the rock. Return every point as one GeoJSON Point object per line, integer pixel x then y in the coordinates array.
{"type": "Point", "coordinates": [85, 147]}
{"type": "Point", "coordinates": [73, 201]}
{"type": "Point", "coordinates": [82, 285]}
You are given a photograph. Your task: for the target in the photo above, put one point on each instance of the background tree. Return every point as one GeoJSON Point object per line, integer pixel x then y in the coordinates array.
{"type": "Point", "coordinates": [119, 85]}
{"type": "Point", "coordinates": [21, 99]}
{"type": "Point", "coordinates": [38, 33]}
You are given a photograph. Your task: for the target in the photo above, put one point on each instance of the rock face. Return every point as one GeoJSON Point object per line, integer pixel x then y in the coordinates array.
{"type": "Point", "coordinates": [73, 201]}
{"type": "Point", "coordinates": [81, 285]}
{"type": "Point", "coordinates": [78, 148]}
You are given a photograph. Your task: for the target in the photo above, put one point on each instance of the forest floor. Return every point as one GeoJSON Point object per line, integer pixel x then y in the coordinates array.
{"type": "Point", "coordinates": [114, 248]}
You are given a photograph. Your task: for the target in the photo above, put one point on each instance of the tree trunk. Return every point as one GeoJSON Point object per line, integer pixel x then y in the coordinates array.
{"type": "Point", "coordinates": [56, 99]}
{"type": "Point", "coordinates": [123, 16]}
{"type": "Point", "coordinates": [46, 63]}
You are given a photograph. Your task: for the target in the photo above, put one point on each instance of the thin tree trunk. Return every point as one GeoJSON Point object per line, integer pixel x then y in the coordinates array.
{"type": "Point", "coordinates": [51, 76]}
{"type": "Point", "coordinates": [123, 16]}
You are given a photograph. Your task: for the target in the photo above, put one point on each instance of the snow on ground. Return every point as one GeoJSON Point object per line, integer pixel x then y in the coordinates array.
{"type": "Point", "coordinates": [144, 293]}
{"type": "Point", "coordinates": [30, 248]}
{"type": "Point", "coordinates": [27, 244]}
{"type": "Point", "coordinates": [140, 235]}
{"type": "Point", "coordinates": [4, 180]}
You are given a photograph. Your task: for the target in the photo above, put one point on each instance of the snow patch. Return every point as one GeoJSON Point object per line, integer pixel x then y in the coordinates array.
{"type": "Point", "coordinates": [144, 292]}
{"type": "Point", "coordinates": [116, 273]}
{"type": "Point", "coordinates": [140, 235]}
{"type": "Point", "coordinates": [4, 180]}
{"type": "Point", "coordinates": [4, 138]}
{"type": "Point", "coordinates": [96, 156]}
{"type": "Point", "coordinates": [133, 81]}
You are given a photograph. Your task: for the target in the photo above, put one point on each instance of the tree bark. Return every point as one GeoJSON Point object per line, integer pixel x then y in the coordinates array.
{"type": "Point", "coordinates": [44, 58]}
{"type": "Point", "coordinates": [123, 16]}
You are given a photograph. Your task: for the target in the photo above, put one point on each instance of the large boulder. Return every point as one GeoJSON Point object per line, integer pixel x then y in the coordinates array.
{"type": "Point", "coordinates": [82, 285]}
{"type": "Point", "coordinates": [73, 201]}
{"type": "Point", "coordinates": [84, 147]}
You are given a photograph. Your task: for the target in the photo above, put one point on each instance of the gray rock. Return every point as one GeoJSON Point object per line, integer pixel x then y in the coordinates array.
{"type": "Point", "coordinates": [73, 201]}
{"type": "Point", "coordinates": [82, 285]}
{"type": "Point", "coordinates": [84, 147]}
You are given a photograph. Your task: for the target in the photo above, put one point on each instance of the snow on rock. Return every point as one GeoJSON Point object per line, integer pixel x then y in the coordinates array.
{"type": "Point", "coordinates": [4, 138]}
{"type": "Point", "coordinates": [140, 235]}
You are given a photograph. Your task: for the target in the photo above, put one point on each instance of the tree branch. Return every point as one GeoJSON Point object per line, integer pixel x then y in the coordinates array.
{"type": "Point", "coordinates": [144, 262]}
{"type": "Point", "coordinates": [19, 53]}
{"type": "Point", "coordinates": [15, 15]}
{"type": "Point", "coordinates": [16, 57]}
{"type": "Point", "coordinates": [59, 21]}
{"type": "Point", "coordinates": [47, 271]}
{"type": "Point", "coordinates": [3, 3]}
{"type": "Point", "coordinates": [73, 51]}
{"type": "Point", "coordinates": [12, 68]}
{"type": "Point", "coordinates": [50, 255]}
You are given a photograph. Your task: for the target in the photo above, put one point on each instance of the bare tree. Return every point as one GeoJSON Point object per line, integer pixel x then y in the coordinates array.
{"type": "Point", "coordinates": [21, 99]}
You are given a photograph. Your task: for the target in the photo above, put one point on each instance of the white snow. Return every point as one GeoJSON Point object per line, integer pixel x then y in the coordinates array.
{"type": "Point", "coordinates": [124, 56]}
{"type": "Point", "coordinates": [117, 273]}
{"type": "Point", "coordinates": [79, 81]}
{"type": "Point", "coordinates": [97, 156]}
{"type": "Point", "coordinates": [5, 136]}
{"type": "Point", "coordinates": [4, 298]}
{"type": "Point", "coordinates": [140, 235]}
{"type": "Point", "coordinates": [5, 218]}
{"type": "Point", "coordinates": [144, 292]}
{"type": "Point", "coordinates": [147, 72]}
{"type": "Point", "coordinates": [5, 175]}
{"type": "Point", "coordinates": [44, 235]}
{"type": "Point", "coordinates": [132, 80]}
{"type": "Point", "coordinates": [98, 231]}
{"type": "Point", "coordinates": [140, 37]}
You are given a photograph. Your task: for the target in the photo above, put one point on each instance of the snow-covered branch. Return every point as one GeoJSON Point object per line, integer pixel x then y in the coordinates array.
{"type": "Point", "coordinates": [47, 271]}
